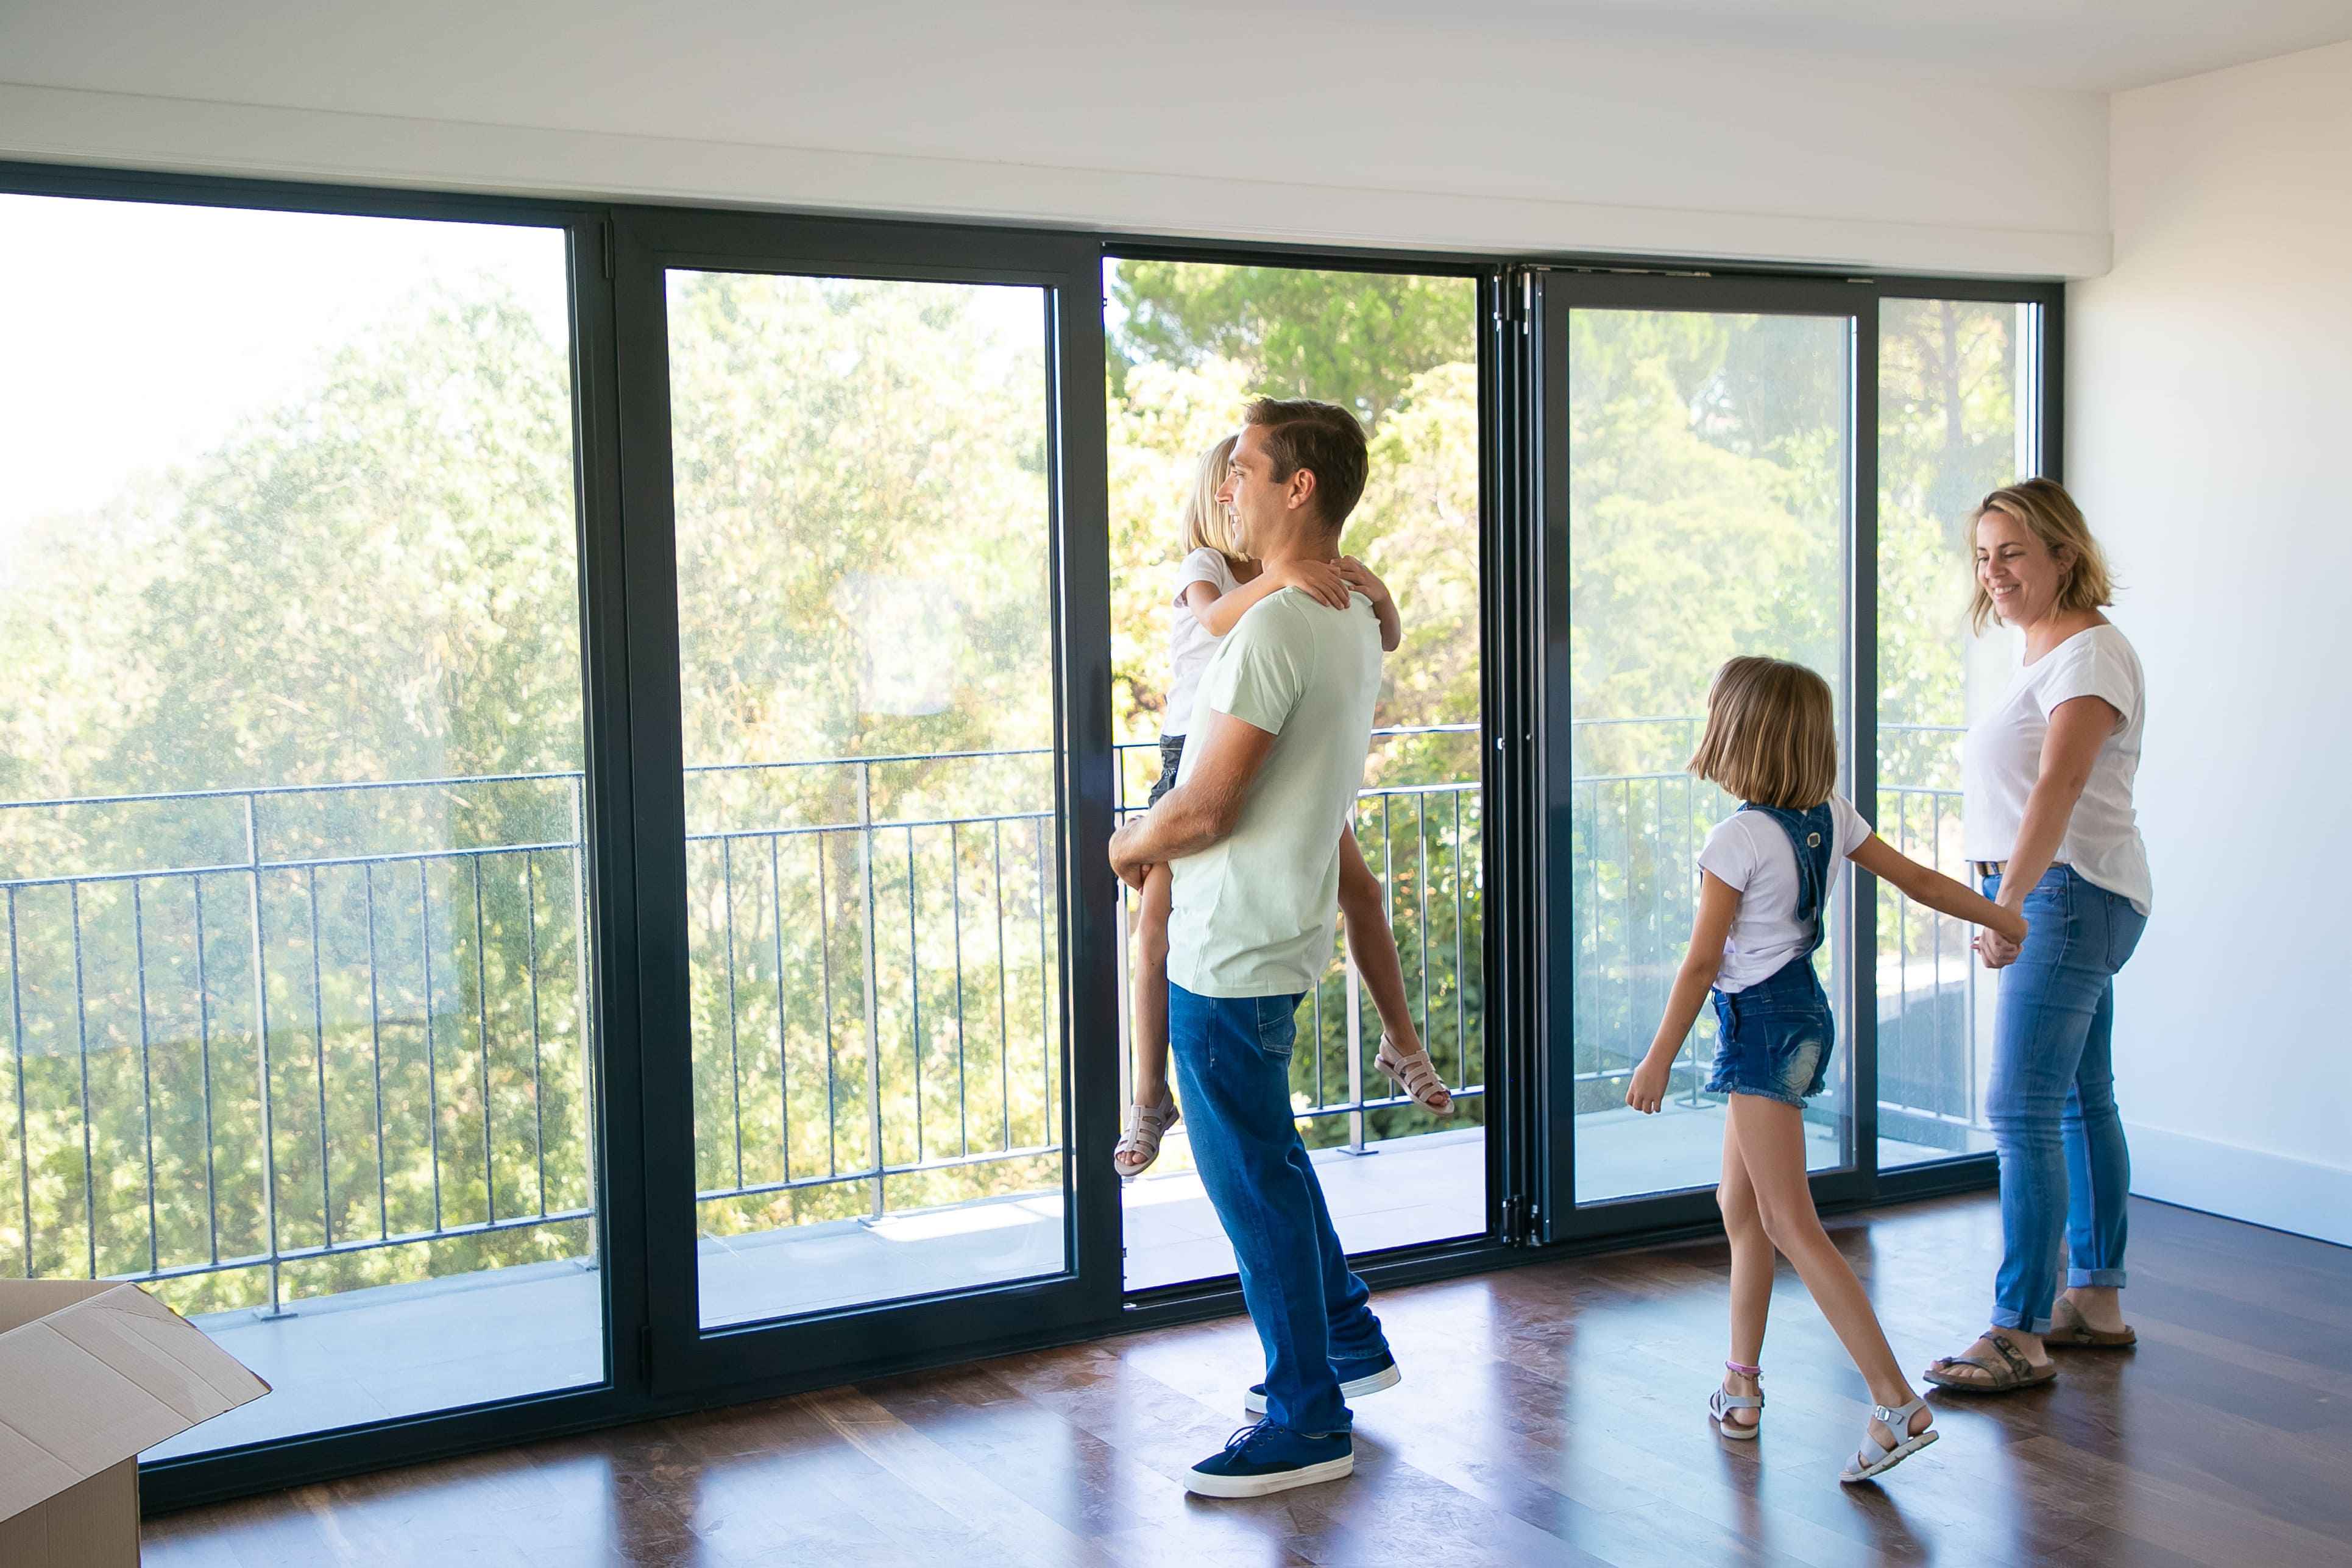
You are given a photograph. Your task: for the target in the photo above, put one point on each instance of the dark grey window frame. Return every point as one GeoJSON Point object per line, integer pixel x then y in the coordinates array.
{"type": "Point", "coordinates": [657, 1362]}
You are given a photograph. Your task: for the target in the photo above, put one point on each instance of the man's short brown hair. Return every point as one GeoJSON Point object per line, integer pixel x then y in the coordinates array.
{"type": "Point", "coordinates": [1322, 438]}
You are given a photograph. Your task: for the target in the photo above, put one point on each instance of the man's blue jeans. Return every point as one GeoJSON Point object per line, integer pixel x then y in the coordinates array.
{"type": "Point", "coordinates": [2051, 1103]}
{"type": "Point", "coordinates": [1232, 1069]}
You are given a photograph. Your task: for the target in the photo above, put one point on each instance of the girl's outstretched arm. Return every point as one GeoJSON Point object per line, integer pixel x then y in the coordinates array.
{"type": "Point", "coordinates": [1934, 889]}
{"type": "Point", "coordinates": [1718, 901]}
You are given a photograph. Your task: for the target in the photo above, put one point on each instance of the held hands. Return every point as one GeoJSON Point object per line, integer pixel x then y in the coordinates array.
{"type": "Point", "coordinates": [2000, 945]}
{"type": "Point", "coordinates": [1321, 580]}
{"type": "Point", "coordinates": [1647, 1092]}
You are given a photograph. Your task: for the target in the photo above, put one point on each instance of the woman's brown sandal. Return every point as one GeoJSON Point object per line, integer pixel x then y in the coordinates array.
{"type": "Point", "coordinates": [2069, 1331]}
{"type": "Point", "coordinates": [1417, 1076]}
{"type": "Point", "coordinates": [1138, 1145]}
{"type": "Point", "coordinates": [2008, 1375]}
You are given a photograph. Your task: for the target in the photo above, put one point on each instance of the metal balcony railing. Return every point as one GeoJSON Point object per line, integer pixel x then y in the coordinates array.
{"type": "Point", "coordinates": [1422, 839]}
{"type": "Point", "coordinates": [255, 1029]}
{"type": "Point", "coordinates": [251, 1028]}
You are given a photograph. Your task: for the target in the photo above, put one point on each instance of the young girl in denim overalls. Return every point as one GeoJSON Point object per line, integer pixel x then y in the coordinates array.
{"type": "Point", "coordinates": [1766, 879]}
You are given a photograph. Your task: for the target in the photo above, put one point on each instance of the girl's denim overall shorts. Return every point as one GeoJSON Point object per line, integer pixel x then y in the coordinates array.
{"type": "Point", "coordinates": [1773, 1039]}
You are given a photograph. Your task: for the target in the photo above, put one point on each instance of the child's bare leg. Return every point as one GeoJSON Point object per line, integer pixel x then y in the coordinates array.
{"type": "Point", "coordinates": [1771, 1139]}
{"type": "Point", "coordinates": [1373, 945]}
{"type": "Point", "coordinates": [1751, 1271]}
{"type": "Point", "coordinates": [1151, 992]}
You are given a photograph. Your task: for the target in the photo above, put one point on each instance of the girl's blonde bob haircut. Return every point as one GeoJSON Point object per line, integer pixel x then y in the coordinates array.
{"type": "Point", "coordinates": [1205, 525]}
{"type": "Point", "coordinates": [1771, 734]}
{"type": "Point", "coordinates": [2049, 514]}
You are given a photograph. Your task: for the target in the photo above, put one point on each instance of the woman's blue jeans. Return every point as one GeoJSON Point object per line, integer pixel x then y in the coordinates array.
{"type": "Point", "coordinates": [2063, 1166]}
{"type": "Point", "coordinates": [1233, 1068]}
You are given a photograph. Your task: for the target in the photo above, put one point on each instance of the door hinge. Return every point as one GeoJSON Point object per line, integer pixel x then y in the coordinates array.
{"type": "Point", "coordinates": [605, 235]}
{"type": "Point", "coordinates": [646, 1353]}
{"type": "Point", "coordinates": [1515, 299]}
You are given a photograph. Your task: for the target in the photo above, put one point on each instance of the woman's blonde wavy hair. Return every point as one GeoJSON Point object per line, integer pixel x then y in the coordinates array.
{"type": "Point", "coordinates": [1771, 734]}
{"type": "Point", "coordinates": [2051, 516]}
{"type": "Point", "coordinates": [1205, 525]}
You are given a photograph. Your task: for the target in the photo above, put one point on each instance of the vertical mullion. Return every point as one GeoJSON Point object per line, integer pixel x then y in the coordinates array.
{"type": "Point", "coordinates": [1862, 901]}
{"type": "Point", "coordinates": [81, 1043]}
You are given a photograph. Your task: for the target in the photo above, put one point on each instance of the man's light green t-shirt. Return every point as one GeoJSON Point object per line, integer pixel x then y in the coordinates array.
{"type": "Point", "coordinates": [1253, 916]}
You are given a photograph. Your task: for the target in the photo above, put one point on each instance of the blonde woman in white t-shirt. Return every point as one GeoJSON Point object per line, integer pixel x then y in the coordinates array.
{"type": "Point", "coordinates": [2047, 819]}
{"type": "Point", "coordinates": [1215, 587]}
{"type": "Point", "coordinates": [1765, 873]}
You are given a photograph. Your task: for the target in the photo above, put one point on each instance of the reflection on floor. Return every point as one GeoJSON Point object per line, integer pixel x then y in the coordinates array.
{"type": "Point", "coordinates": [1399, 1193]}
{"type": "Point", "coordinates": [1552, 1413]}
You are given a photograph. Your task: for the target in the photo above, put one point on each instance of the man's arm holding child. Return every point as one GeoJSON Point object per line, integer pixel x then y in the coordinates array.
{"type": "Point", "coordinates": [1202, 809]}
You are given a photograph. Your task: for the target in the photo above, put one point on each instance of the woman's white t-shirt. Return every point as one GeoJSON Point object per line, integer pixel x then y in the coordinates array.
{"type": "Point", "coordinates": [1749, 852]}
{"type": "Point", "coordinates": [1190, 644]}
{"type": "Point", "coordinates": [2001, 761]}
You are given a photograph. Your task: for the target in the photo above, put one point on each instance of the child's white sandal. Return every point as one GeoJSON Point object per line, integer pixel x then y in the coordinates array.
{"type": "Point", "coordinates": [1897, 1423]}
{"type": "Point", "coordinates": [1417, 1076]}
{"type": "Point", "coordinates": [1723, 1402]}
{"type": "Point", "coordinates": [1138, 1145]}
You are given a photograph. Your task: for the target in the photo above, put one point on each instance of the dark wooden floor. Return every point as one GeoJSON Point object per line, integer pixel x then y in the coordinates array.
{"type": "Point", "coordinates": [1549, 1414]}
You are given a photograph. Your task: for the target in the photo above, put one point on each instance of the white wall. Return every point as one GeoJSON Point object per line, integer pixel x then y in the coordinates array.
{"type": "Point", "coordinates": [1408, 126]}
{"type": "Point", "coordinates": [2209, 401]}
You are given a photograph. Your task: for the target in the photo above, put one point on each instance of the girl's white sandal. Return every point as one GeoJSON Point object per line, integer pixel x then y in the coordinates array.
{"type": "Point", "coordinates": [1897, 1423]}
{"type": "Point", "coordinates": [1417, 1076]}
{"type": "Point", "coordinates": [1723, 1402]}
{"type": "Point", "coordinates": [1138, 1145]}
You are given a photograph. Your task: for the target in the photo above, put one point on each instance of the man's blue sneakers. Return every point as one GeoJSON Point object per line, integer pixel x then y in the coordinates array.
{"type": "Point", "coordinates": [1365, 1375]}
{"type": "Point", "coordinates": [1264, 1458]}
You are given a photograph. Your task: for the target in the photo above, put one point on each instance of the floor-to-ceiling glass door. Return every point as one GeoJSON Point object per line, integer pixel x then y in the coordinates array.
{"type": "Point", "coordinates": [1190, 343]}
{"type": "Point", "coordinates": [1704, 494]}
{"type": "Point", "coordinates": [879, 795]}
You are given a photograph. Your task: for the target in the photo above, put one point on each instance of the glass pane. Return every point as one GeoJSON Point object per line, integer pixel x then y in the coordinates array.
{"type": "Point", "coordinates": [864, 536]}
{"type": "Point", "coordinates": [1706, 518]}
{"type": "Point", "coordinates": [1190, 344]}
{"type": "Point", "coordinates": [297, 1017]}
{"type": "Point", "coordinates": [1953, 424]}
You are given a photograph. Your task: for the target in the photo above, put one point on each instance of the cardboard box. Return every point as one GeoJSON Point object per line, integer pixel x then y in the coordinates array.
{"type": "Point", "coordinates": [91, 1375]}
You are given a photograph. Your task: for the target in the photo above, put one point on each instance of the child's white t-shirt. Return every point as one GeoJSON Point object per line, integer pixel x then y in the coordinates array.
{"type": "Point", "coordinates": [1190, 644]}
{"type": "Point", "coordinates": [1749, 852]}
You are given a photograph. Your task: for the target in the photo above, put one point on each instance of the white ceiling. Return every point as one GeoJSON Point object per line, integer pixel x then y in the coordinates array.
{"type": "Point", "coordinates": [2090, 45]}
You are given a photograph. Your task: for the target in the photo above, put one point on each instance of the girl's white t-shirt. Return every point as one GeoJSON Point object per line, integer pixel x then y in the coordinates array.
{"type": "Point", "coordinates": [1190, 644]}
{"type": "Point", "coordinates": [2001, 761]}
{"type": "Point", "coordinates": [1749, 852]}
